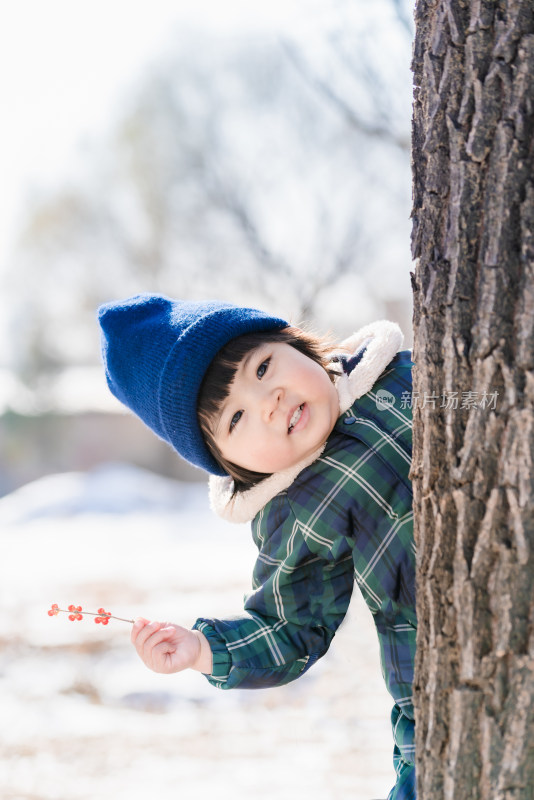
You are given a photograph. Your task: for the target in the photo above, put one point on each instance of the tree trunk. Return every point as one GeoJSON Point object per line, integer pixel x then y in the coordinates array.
{"type": "Point", "coordinates": [473, 238]}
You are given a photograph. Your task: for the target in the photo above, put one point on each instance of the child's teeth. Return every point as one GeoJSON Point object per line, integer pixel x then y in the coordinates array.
{"type": "Point", "coordinates": [295, 418]}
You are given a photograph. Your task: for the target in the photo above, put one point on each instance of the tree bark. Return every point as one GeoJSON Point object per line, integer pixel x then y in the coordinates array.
{"type": "Point", "coordinates": [473, 238]}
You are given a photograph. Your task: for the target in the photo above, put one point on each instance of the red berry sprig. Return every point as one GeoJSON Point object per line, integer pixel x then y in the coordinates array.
{"type": "Point", "coordinates": [76, 613]}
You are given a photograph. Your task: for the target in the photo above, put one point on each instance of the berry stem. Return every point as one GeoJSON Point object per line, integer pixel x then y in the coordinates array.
{"type": "Point", "coordinates": [109, 616]}
{"type": "Point", "coordinates": [95, 614]}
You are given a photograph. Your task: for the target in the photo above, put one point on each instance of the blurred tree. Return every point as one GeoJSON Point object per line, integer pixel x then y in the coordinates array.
{"type": "Point", "coordinates": [235, 170]}
{"type": "Point", "coordinates": [473, 236]}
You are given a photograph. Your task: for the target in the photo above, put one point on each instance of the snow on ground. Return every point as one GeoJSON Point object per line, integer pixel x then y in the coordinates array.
{"type": "Point", "coordinates": [82, 717]}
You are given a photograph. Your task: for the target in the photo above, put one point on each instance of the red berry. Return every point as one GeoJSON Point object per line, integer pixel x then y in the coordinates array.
{"type": "Point", "coordinates": [51, 613]}
{"type": "Point", "coordinates": [72, 617]}
{"type": "Point", "coordinates": [105, 621]}
{"type": "Point", "coordinates": [97, 619]}
{"type": "Point", "coordinates": [71, 608]}
{"type": "Point", "coordinates": [101, 611]}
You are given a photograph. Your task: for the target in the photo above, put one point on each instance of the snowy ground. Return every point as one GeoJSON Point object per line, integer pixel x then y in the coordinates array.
{"type": "Point", "coordinates": [83, 719]}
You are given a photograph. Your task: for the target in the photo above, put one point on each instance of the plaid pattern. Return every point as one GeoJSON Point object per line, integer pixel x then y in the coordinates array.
{"type": "Point", "coordinates": [347, 518]}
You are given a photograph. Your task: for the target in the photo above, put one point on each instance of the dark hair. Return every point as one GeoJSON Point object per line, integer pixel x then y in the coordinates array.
{"type": "Point", "coordinates": [221, 372]}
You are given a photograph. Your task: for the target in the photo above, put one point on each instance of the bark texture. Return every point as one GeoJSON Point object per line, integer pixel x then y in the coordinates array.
{"type": "Point", "coordinates": [473, 238]}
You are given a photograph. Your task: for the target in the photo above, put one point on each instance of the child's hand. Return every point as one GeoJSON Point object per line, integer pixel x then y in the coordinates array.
{"type": "Point", "coordinates": [169, 648]}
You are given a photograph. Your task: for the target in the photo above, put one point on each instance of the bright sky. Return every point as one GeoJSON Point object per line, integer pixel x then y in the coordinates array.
{"type": "Point", "coordinates": [63, 65]}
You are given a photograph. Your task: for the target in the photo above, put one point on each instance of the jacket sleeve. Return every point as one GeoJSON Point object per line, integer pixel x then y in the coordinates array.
{"type": "Point", "coordinates": [301, 592]}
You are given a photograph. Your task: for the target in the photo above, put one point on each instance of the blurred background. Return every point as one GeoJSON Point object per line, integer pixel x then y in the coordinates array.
{"type": "Point", "coordinates": [256, 153]}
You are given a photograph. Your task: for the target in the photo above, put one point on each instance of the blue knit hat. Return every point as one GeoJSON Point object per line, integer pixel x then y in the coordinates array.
{"type": "Point", "coordinates": [156, 352]}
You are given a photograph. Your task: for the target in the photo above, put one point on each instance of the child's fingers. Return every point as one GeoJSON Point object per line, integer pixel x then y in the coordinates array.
{"type": "Point", "coordinates": [151, 636]}
{"type": "Point", "coordinates": [141, 630]}
{"type": "Point", "coordinates": [139, 623]}
{"type": "Point", "coordinates": [156, 646]}
{"type": "Point", "coordinates": [157, 636]}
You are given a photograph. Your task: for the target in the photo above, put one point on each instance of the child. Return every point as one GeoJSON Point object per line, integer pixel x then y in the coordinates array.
{"type": "Point", "coordinates": [314, 446]}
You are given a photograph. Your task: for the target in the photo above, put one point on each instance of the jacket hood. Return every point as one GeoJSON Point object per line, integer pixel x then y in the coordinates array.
{"type": "Point", "coordinates": [382, 339]}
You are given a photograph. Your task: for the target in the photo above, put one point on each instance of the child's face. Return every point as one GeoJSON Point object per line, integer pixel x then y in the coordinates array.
{"type": "Point", "coordinates": [282, 406]}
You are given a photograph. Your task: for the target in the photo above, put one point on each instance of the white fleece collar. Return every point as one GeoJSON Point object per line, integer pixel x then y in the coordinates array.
{"type": "Point", "coordinates": [385, 340]}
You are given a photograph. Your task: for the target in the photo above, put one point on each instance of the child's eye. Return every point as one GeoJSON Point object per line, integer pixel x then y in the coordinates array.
{"type": "Point", "coordinates": [235, 419]}
{"type": "Point", "coordinates": [262, 369]}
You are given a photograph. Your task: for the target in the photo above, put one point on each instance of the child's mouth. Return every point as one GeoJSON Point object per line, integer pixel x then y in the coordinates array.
{"type": "Point", "coordinates": [297, 413]}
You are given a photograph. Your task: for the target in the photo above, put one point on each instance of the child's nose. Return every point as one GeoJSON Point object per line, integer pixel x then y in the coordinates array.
{"type": "Point", "coordinates": [271, 402]}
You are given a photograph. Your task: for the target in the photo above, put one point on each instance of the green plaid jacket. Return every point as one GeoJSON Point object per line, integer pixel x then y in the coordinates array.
{"type": "Point", "coordinates": [346, 518]}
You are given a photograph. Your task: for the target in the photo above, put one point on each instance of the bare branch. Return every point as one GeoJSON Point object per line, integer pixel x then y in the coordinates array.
{"type": "Point", "coordinates": [326, 91]}
{"type": "Point", "coordinates": [230, 202]}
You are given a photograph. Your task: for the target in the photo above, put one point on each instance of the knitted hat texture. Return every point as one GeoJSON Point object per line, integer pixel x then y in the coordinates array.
{"type": "Point", "coordinates": [156, 352]}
